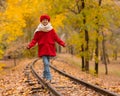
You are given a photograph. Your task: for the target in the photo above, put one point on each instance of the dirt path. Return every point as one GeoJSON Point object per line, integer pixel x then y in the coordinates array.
{"type": "Point", "coordinates": [12, 80]}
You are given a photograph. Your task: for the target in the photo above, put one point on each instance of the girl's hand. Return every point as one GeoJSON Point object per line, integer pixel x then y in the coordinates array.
{"type": "Point", "coordinates": [65, 45]}
{"type": "Point", "coordinates": [27, 47]}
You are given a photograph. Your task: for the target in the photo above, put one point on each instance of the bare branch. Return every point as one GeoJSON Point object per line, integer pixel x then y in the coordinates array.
{"type": "Point", "coordinates": [78, 6]}
{"type": "Point", "coordinates": [72, 10]}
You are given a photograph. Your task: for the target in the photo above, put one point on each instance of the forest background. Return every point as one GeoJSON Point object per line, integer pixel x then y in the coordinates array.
{"type": "Point", "coordinates": [91, 28]}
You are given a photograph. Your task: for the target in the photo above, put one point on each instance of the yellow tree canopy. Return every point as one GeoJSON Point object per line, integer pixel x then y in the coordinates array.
{"type": "Point", "coordinates": [21, 17]}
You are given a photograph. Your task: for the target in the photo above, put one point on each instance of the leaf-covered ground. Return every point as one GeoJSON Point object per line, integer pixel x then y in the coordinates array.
{"type": "Point", "coordinates": [12, 80]}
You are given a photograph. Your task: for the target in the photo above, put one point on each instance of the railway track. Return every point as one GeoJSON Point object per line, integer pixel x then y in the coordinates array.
{"type": "Point", "coordinates": [66, 85]}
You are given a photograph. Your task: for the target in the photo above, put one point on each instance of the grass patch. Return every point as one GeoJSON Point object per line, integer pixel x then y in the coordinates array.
{"type": "Point", "coordinates": [71, 60]}
{"type": "Point", "coordinates": [113, 69]}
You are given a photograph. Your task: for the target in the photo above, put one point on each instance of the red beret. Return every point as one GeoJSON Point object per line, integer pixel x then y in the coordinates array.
{"type": "Point", "coordinates": [44, 17]}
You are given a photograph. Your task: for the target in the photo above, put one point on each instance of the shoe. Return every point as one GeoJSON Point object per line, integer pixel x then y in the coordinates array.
{"type": "Point", "coordinates": [44, 79]}
{"type": "Point", "coordinates": [48, 81]}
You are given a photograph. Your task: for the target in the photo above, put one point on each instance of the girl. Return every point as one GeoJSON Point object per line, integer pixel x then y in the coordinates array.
{"type": "Point", "coordinates": [45, 36]}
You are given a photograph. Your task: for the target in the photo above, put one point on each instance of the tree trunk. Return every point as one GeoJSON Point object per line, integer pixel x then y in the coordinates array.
{"type": "Point", "coordinates": [71, 50]}
{"type": "Point", "coordinates": [115, 54]}
{"type": "Point", "coordinates": [86, 50]}
{"type": "Point", "coordinates": [86, 39]}
{"type": "Point", "coordinates": [14, 61]}
{"type": "Point", "coordinates": [82, 57]}
{"type": "Point", "coordinates": [58, 48]}
{"type": "Point", "coordinates": [96, 54]}
{"type": "Point", "coordinates": [97, 46]}
{"type": "Point", "coordinates": [104, 54]}
{"type": "Point", "coordinates": [107, 58]}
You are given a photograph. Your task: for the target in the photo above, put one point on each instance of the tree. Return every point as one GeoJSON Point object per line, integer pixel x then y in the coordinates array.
{"type": "Point", "coordinates": [97, 43]}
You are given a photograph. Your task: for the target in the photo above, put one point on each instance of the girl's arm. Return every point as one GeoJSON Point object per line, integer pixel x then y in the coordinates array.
{"type": "Point", "coordinates": [34, 41]}
{"type": "Point", "coordinates": [58, 40]}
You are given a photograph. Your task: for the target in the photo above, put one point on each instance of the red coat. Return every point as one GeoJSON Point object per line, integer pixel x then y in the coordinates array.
{"type": "Point", "coordinates": [46, 42]}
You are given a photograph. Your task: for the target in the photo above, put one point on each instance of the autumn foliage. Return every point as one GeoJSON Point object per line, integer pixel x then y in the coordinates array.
{"type": "Point", "coordinates": [81, 23]}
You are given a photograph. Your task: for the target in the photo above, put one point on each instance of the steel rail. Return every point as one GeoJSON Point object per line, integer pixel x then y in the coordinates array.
{"type": "Point", "coordinates": [91, 86]}
{"type": "Point", "coordinates": [44, 84]}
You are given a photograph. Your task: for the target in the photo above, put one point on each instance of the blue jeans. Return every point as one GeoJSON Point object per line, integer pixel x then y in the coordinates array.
{"type": "Point", "coordinates": [46, 72]}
